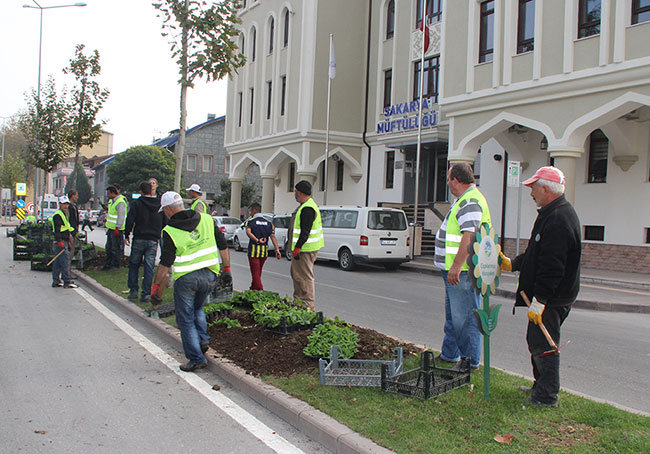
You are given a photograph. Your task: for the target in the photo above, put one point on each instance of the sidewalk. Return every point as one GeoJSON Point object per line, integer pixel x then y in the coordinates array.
{"type": "Point", "coordinates": [601, 290]}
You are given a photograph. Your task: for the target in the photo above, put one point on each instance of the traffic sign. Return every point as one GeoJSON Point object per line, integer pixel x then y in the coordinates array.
{"type": "Point", "coordinates": [21, 188]}
{"type": "Point", "coordinates": [30, 207]}
{"type": "Point", "coordinates": [20, 204]}
{"type": "Point", "coordinates": [20, 213]}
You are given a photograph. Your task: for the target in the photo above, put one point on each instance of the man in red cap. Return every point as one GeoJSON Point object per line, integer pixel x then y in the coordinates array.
{"type": "Point", "coordinates": [549, 274]}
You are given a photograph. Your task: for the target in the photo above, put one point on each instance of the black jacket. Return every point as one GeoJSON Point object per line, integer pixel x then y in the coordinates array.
{"type": "Point", "coordinates": [186, 220]}
{"type": "Point", "coordinates": [550, 267]}
{"type": "Point", "coordinates": [73, 219]}
{"type": "Point", "coordinates": [143, 219]}
{"type": "Point", "coordinates": [58, 234]}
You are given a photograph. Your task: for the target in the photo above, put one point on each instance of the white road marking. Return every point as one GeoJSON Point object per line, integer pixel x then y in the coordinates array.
{"type": "Point", "coordinates": [249, 422]}
{"type": "Point", "coordinates": [337, 287]}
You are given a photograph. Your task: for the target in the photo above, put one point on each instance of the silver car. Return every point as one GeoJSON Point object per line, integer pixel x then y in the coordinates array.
{"type": "Point", "coordinates": [240, 239]}
{"type": "Point", "coordinates": [227, 225]}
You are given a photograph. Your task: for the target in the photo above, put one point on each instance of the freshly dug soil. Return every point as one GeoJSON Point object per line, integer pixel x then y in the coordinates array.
{"type": "Point", "coordinates": [98, 261]}
{"type": "Point", "coordinates": [262, 352]}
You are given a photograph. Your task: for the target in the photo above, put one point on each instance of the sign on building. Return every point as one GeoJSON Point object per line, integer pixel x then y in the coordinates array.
{"type": "Point", "coordinates": [514, 173]}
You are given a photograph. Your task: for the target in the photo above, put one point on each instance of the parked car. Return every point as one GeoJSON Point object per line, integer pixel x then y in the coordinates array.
{"type": "Point", "coordinates": [364, 235]}
{"type": "Point", "coordinates": [93, 215]}
{"type": "Point", "coordinates": [240, 239]}
{"type": "Point", "coordinates": [227, 225]}
{"type": "Point", "coordinates": [281, 224]}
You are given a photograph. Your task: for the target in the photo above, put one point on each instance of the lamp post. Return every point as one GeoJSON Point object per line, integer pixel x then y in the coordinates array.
{"type": "Point", "coordinates": [38, 88]}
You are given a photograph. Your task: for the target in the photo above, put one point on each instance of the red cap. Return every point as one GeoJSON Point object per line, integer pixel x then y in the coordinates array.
{"type": "Point", "coordinates": [546, 173]}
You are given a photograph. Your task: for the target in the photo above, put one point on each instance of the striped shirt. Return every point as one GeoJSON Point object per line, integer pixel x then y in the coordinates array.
{"type": "Point", "coordinates": [261, 229]}
{"type": "Point", "coordinates": [469, 219]}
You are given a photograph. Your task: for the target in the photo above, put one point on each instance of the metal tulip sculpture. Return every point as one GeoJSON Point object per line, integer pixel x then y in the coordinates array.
{"type": "Point", "coordinates": [485, 268]}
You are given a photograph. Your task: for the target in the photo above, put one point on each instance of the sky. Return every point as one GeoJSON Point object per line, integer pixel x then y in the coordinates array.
{"type": "Point", "coordinates": [136, 62]}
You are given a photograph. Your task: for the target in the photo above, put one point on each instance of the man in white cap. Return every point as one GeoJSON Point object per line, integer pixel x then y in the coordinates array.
{"type": "Point", "coordinates": [549, 276]}
{"type": "Point", "coordinates": [62, 231]}
{"type": "Point", "coordinates": [197, 205]}
{"type": "Point", "coordinates": [192, 246]}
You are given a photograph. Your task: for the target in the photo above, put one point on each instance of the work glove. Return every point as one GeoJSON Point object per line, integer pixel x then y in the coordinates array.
{"type": "Point", "coordinates": [155, 299]}
{"type": "Point", "coordinates": [116, 232]}
{"type": "Point", "coordinates": [535, 312]}
{"type": "Point", "coordinates": [506, 263]}
{"type": "Point", "coordinates": [225, 279]}
{"type": "Point", "coordinates": [61, 244]}
{"type": "Point", "coordinates": [296, 253]}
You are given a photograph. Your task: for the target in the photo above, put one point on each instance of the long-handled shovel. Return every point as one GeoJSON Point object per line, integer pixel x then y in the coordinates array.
{"type": "Point", "coordinates": [547, 335]}
{"type": "Point", "coordinates": [55, 257]}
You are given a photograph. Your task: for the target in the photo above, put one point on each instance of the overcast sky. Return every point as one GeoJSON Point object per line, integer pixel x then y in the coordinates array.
{"type": "Point", "coordinates": [136, 63]}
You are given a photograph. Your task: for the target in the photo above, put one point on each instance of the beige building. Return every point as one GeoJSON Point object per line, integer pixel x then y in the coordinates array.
{"type": "Point", "coordinates": [561, 82]}
{"type": "Point", "coordinates": [534, 81]}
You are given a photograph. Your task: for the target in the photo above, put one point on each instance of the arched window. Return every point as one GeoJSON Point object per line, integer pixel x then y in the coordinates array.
{"type": "Point", "coordinates": [271, 33]}
{"type": "Point", "coordinates": [242, 42]}
{"type": "Point", "coordinates": [285, 39]}
{"type": "Point", "coordinates": [253, 42]}
{"type": "Point", "coordinates": [390, 19]}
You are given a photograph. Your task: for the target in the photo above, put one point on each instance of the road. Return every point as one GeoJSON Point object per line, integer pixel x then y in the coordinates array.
{"type": "Point", "coordinates": [608, 357]}
{"type": "Point", "coordinates": [80, 375]}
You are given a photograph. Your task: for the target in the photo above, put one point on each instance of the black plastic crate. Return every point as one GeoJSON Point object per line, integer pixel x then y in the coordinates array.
{"type": "Point", "coordinates": [162, 311]}
{"type": "Point", "coordinates": [214, 315]}
{"type": "Point", "coordinates": [427, 380]}
{"type": "Point", "coordinates": [220, 294]}
{"type": "Point", "coordinates": [42, 263]}
{"type": "Point", "coordinates": [287, 328]}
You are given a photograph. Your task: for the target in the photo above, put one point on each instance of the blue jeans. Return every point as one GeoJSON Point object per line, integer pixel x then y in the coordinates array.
{"type": "Point", "coordinates": [114, 249]}
{"type": "Point", "coordinates": [462, 337]}
{"type": "Point", "coordinates": [190, 292]}
{"type": "Point", "coordinates": [61, 265]}
{"type": "Point", "coordinates": [142, 251]}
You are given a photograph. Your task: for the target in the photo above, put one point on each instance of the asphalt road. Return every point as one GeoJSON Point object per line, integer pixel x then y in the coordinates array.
{"type": "Point", "coordinates": [78, 375]}
{"type": "Point", "coordinates": [608, 357]}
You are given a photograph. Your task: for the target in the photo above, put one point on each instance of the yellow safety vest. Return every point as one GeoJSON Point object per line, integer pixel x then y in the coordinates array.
{"type": "Point", "coordinates": [66, 224]}
{"type": "Point", "coordinates": [111, 215]}
{"type": "Point", "coordinates": [453, 234]}
{"type": "Point", "coordinates": [316, 239]}
{"type": "Point", "coordinates": [196, 202]}
{"type": "Point", "coordinates": [195, 250]}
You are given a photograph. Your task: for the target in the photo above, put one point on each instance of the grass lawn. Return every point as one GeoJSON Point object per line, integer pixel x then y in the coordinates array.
{"type": "Point", "coordinates": [460, 421]}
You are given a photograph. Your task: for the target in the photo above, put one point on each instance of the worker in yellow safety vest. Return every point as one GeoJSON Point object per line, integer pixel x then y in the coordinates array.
{"type": "Point", "coordinates": [115, 221]}
{"type": "Point", "coordinates": [306, 240]}
{"type": "Point", "coordinates": [192, 247]}
{"type": "Point", "coordinates": [62, 231]}
{"type": "Point", "coordinates": [198, 205]}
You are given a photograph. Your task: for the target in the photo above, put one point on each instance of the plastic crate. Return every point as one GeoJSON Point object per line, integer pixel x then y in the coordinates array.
{"type": "Point", "coordinates": [356, 372]}
{"type": "Point", "coordinates": [427, 380]}
{"type": "Point", "coordinates": [41, 264]}
{"type": "Point", "coordinates": [220, 294]}
{"type": "Point", "coordinates": [287, 328]}
{"type": "Point", "coordinates": [212, 316]}
{"type": "Point", "coordinates": [162, 311]}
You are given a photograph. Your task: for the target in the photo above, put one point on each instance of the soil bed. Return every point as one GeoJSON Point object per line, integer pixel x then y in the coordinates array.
{"type": "Point", "coordinates": [262, 352]}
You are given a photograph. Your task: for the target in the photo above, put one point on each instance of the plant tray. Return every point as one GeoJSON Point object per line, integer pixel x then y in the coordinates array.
{"type": "Point", "coordinates": [287, 328]}
{"type": "Point", "coordinates": [162, 311]}
{"type": "Point", "coordinates": [356, 372]}
{"type": "Point", "coordinates": [220, 294]}
{"type": "Point", "coordinates": [41, 264]}
{"type": "Point", "coordinates": [212, 316]}
{"type": "Point", "coordinates": [427, 380]}
{"type": "Point", "coordinates": [11, 233]}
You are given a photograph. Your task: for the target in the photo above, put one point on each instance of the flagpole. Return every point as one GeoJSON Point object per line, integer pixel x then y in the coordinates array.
{"type": "Point", "coordinates": [327, 131]}
{"type": "Point", "coordinates": [419, 146]}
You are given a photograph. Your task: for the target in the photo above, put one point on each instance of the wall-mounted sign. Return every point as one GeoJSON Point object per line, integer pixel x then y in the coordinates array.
{"type": "Point", "coordinates": [405, 116]}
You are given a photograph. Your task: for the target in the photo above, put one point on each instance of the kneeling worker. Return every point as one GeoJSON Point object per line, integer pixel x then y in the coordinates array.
{"type": "Point", "coordinates": [190, 243]}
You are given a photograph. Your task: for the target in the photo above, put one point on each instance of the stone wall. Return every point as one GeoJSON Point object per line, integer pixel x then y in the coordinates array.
{"type": "Point", "coordinates": [613, 257]}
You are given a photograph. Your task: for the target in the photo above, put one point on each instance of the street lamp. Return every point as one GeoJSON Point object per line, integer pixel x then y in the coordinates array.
{"type": "Point", "coordinates": [38, 89]}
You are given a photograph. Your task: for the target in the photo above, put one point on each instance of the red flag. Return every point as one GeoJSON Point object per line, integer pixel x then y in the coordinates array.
{"type": "Point", "coordinates": [424, 27]}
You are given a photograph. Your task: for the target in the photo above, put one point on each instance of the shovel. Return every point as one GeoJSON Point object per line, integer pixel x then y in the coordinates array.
{"type": "Point", "coordinates": [55, 257]}
{"type": "Point", "coordinates": [547, 335]}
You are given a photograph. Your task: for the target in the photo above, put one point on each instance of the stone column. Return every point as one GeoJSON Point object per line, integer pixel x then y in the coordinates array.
{"type": "Point", "coordinates": [565, 160]}
{"type": "Point", "coordinates": [235, 196]}
{"type": "Point", "coordinates": [309, 176]}
{"type": "Point", "coordinates": [268, 191]}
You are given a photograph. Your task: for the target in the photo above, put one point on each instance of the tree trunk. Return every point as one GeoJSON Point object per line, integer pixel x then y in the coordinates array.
{"type": "Point", "coordinates": [180, 146]}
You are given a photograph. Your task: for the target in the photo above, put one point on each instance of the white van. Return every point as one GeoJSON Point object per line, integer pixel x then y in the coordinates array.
{"type": "Point", "coordinates": [355, 234]}
{"type": "Point", "coordinates": [50, 205]}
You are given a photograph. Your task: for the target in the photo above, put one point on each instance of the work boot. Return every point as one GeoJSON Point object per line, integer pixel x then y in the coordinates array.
{"type": "Point", "coordinates": [531, 400]}
{"type": "Point", "coordinates": [57, 284]}
{"type": "Point", "coordinates": [526, 389]}
{"type": "Point", "coordinates": [133, 295]}
{"type": "Point", "coordinates": [191, 367]}
{"type": "Point", "coordinates": [204, 347]}
{"type": "Point", "coordinates": [444, 360]}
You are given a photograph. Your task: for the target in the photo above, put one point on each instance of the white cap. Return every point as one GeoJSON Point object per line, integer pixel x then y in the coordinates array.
{"type": "Point", "coordinates": [195, 187]}
{"type": "Point", "coordinates": [169, 198]}
{"type": "Point", "coordinates": [64, 199]}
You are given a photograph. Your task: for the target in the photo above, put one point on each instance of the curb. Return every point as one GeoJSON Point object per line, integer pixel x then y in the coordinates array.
{"type": "Point", "coordinates": [311, 422]}
{"type": "Point", "coordinates": [579, 303]}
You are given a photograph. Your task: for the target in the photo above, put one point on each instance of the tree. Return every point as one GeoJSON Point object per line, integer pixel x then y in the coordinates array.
{"type": "Point", "coordinates": [87, 99]}
{"type": "Point", "coordinates": [140, 163]}
{"type": "Point", "coordinates": [12, 171]}
{"type": "Point", "coordinates": [78, 181]}
{"type": "Point", "coordinates": [45, 126]}
{"type": "Point", "coordinates": [249, 194]}
{"type": "Point", "coordinates": [201, 40]}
